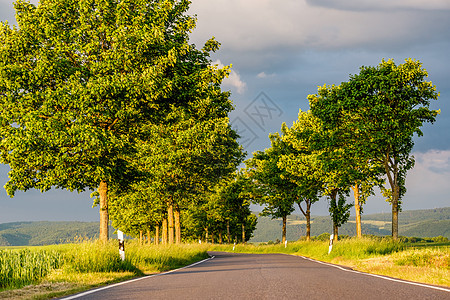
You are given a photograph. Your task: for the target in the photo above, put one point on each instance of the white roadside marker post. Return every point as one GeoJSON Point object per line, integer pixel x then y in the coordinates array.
{"type": "Point", "coordinates": [331, 243]}
{"type": "Point", "coordinates": [285, 244]}
{"type": "Point", "coordinates": [121, 244]}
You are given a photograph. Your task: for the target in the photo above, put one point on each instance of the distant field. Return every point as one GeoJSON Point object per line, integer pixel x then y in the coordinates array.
{"type": "Point", "coordinates": [417, 223]}
{"type": "Point", "coordinates": [372, 222]}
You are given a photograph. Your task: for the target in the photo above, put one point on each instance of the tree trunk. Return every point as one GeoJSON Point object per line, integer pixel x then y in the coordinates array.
{"type": "Point", "coordinates": [212, 237]}
{"type": "Point", "coordinates": [283, 236]}
{"type": "Point", "coordinates": [395, 188]}
{"type": "Point", "coordinates": [177, 225]}
{"type": "Point", "coordinates": [336, 229]}
{"type": "Point", "coordinates": [170, 223]}
{"type": "Point", "coordinates": [307, 215]}
{"type": "Point", "coordinates": [157, 235]}
{"type": "Point", "coordinates": [141, 234]}
{"type": "Point", "coordinates": [357, 210]}
{"type": "Point", "coordinates": [220, 237]}
{"type": "Point", "coordinates": [228, 232]}
{"type": "Point", "coordinates": [164, 231]}
{"type": "Point", "coordinates": [308, 225]}
{"type": "Point", "coordinates": [149, 239]}
{"type": "Point", "coordinates": [104, 216]}
{"type": "Point", "coordinates": [395, 210]}
{"type": "Point", "coordinates": [243, 233]}
{"type": "Point", "coordinates": [206, 235]}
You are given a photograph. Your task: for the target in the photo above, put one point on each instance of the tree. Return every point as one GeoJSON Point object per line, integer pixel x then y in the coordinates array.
{"type": "Point", "coordinates": [79, 80]}
{"type": "Point", "coordinates": [235, 196]}
{"type": "Point", "coordinates": [360, 169]}
{"type": "Point", "coordinates": [339, 211]}
{"type": "Point", "coordinates": [318, 167]}
{"type": "Point", "coordinates": [388, 105]}
{"type": "Point", "coordinates": [275, 191]}
{"type": "Point", "coordinates": [134, 209]}
{"type": "Point", "coordinates": [187, 155]}
{"type": "Point", "coordinates": [301, 164]}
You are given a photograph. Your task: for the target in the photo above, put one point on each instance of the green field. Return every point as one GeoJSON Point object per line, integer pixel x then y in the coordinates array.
{"type": "Point", "coordinates": [85, 265]}
{"type": "Point", "coordinates": [76, 262]}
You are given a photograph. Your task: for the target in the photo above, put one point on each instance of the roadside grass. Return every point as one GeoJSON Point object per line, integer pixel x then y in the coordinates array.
{"type": "Point", "coordinates": [72, 268]}
{"type": "Point", "coordinates": [381, 256]}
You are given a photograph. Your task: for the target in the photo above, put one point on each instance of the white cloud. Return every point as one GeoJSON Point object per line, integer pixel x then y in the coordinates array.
{"type": "Point", "coordinates": [233, 80]}
{"type": "Point", "coordinates": [427, 184]}
{"type": "Point", "coordinates": [264, 75]}
{"type": "Point", "coordinates": [436, 161]}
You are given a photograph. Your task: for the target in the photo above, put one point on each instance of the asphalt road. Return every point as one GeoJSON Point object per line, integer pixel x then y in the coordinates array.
{"type": "Point", "coordinates": [265, 276]}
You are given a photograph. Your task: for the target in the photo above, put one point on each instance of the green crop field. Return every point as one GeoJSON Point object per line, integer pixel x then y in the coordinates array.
{"type": "Point", "coordinates": [85, 265]}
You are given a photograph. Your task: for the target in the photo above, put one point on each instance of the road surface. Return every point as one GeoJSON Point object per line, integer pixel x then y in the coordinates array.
{"type": "Point", "coordinates": [264, 276]}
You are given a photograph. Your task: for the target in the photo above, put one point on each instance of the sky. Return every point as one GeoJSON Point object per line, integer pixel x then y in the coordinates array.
{"type": "Point", "coordinates": [280, 52]}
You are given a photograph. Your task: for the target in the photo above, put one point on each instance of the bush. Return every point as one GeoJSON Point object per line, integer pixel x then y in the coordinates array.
{"type": "Point", "coordinates": [323, 237]}
{"type": "Point", "coordinates": [440, 239]}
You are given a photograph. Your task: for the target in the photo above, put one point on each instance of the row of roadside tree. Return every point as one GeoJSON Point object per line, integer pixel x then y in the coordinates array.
{"type": "Point", "coordinates": [356, 136]}
{"type": "Point", "coordinates": [110, 96]}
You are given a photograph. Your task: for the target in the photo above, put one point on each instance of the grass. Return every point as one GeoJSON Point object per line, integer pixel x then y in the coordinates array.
{"type": "Point", "coordinates": [374, 255]}
{"type": "Point", "coordinates": [57, 270]}
{"type": "Point", "coordinates": [21, 267]}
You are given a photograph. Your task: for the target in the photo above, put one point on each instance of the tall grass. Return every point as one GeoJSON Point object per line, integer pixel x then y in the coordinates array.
{"type": "Point", "coordinates": [22, 267]}
{"type": "Point", "coordinates": [149, 258]}
{"type": "Point", "coordinates": [94, 256]}
{"type": "Point", "coordinates": [352, 248]}
{"type": "Point", "coordinates": [438, 258]}
{"type": "Point", "coordinates": [375, 255]}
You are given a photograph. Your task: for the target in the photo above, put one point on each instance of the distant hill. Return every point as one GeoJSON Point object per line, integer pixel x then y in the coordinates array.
{"type": "Point", "coordinates": [417, 223]}
{"type": "Point", "coordinates": [45, 233]}
{"type": "Point", "coordinates": [414, 223]}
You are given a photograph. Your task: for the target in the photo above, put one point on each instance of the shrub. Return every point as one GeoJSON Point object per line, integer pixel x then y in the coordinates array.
{"type": "Point", "coordinates": [440, 239]}
{"type": "Point", "coordinates": [323, 237]}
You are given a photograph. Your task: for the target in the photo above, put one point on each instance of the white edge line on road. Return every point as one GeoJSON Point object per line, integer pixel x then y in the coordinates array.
{"type": "Point", "coordinates": [378, 276]}
{"type": "Point", "coordinates": [132, 280]}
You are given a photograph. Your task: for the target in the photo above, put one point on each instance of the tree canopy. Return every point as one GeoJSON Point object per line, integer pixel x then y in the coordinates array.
{"type": "Point", "coordinates": [82, 83]}
{"type": "Point", "coordinates": [386, 106]}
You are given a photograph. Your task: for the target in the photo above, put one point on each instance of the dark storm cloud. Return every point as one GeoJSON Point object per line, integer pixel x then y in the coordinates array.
{"type": "Point", "coordinates": [382, 5]}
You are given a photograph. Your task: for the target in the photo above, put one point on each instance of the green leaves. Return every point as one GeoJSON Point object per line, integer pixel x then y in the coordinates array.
{"type": "Point", "coordinates": [112, 91]}
{"type": "Point", "coordinates": [275, 190]}
{"type": "Point", "coordinates": [373, 118]}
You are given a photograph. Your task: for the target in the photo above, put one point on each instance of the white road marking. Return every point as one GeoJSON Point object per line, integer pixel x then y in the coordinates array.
{"type": "Point", "coordinates": [132, 280]}
{"type": "Point", "coordinates": [378, 276]}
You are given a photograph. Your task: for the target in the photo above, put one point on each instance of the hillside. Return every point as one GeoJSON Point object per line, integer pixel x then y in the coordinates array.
{"type": "Point", "coordinates": [417, 223]}
{"type": "Point", "coordinates": [45, 233]}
